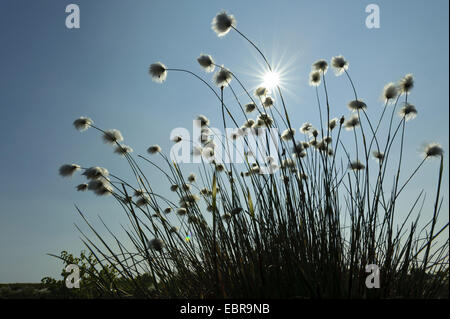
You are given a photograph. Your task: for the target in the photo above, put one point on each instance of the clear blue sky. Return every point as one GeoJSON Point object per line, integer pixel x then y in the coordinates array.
{"type": "Point", "coordinates": [50, 75]}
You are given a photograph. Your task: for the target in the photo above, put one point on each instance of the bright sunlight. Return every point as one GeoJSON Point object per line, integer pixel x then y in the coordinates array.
{"type": "Point", "coordinates": [271, 80]}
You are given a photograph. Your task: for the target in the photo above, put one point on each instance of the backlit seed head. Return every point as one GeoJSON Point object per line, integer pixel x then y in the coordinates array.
{"type": "Point", "coordinates": [67, 170]}
{"type": "Point", "coordinates": [314, 78]}
{"type": "Point", "coordinates": [320, 65]}
{"type": "Point", "coordinates": [222, 23]}
{"type": "Point", "coordinates": [206, 62]}
{"type": "Point", "coordinates": [433, 150]}
{"type": "Point", "coordinates": [356, 165]}
{"type": "Point", "coordinates": [222, 77]}
{"type": "Point", "coordinates": [154, 149]}
{"type": "Point", "coordinates": [95, 172]}
{"type": "Point", "coordinates": [156, 244]}
{"type": "Point", "coordinates": [82, 187]}
{"type": "Point", "coordinates": [408, 111]}
{"type": "Point", "coordinates": [406, 83]}
{"type": "Point", "coordinates": [112, 136]}
{"type": "Point", "coordinates": [356, 105]}
{"type": "Point", "coordinates": [158, 72]}
{"type": "Point", "coordinates": [82, 123]}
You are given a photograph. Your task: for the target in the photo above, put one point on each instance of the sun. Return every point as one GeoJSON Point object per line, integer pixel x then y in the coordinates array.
{"type": "Point", "coordinates": [271, 79]}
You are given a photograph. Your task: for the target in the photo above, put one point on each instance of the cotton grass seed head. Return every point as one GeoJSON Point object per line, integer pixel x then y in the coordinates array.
{"type": "Point", "coordinates": [82, 123]}
{"type": "Point", "coordinates": [356, 166]}
{"type": "Point", "coordinates": [306, 128]}
{"type": "Point", "coordinates": [249, 123]}
{"type": "Point", "coordinates": [95, 172]}
{"type": "Point", "coordinates": [356, 105]}
{"type": "Point", "coordinates": [203, 120]}
{"type": "Point", "coordinates": [288, 134]}
{"type": "Point", "coordinates": [206, 62]}
{"type": "Point", "coordinates": [112, 136]}
{"type": "Point", "coordinates": [333, 123]}
{"type": "Point", "coordinates": [264, 120]}
{"type": "Point", "coordinates": [158, 72]}
{"type": "Point", "coordinates": [156, 244]}
{"type": "Point", "coordinates": [143, 200]}
{"type": "Point", "coordinates": [123, 149]}
{"type": "Point", "coordinates": [268, 101]}
{"type": "Point", "coordinates": [222, 23]}
{"type": "Point", "coordinates": [352, 122]}
{"type": "Point", "coordinates": [191, 178]}
{"type": "Point", "coordinates": [154, 149]}
{"type": "Point", "coordinates": [67, 170]}
{"type": "Point", "coordinates": [222, 77]}
{"type": "Point", "coordinates": [139, 192]}
{"type": "Point", "coordinates": [250, 107]}
{"type": "Point", "coordinates": [339, 64]}
{"type": "Point", "coordinates": [261, 91]}
{"type": "Point", "coordinates": [177, 139]}
{"type": "Point", "coordinates": [321, 66]}
{"type": "Point", "coordinates": [390, 92]}
{"type": "Point", "coordinates": [100, 187]}
{"type": "Point", "coordinates": [314, 78]}
{"type": "Point", "coordinates": [82, 187]}
{"type": "Point", "coordinates": [408, 112]}
{"type": "Point", "coordinates": [379, 156]}
{"type": "Point", "coordinates": [433, 150]}
{"type": "Point", "coordinates": [406, 83]}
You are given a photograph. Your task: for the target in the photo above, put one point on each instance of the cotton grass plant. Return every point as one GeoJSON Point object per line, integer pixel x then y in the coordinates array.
{"type": "Point", "coordinates": [309, 229]}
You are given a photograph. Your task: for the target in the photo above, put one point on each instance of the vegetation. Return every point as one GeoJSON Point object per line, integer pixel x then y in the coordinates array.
{"type": "Point", "coordinates": [306, 228]}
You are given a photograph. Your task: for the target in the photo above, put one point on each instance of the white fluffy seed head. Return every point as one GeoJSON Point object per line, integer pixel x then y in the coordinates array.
{"type": "Point", "coordinates": [288, 134]}
{"type": "Point", "coordinates": [306, 128]}
{"type": "Point", "coordinates": [352, 122]}
{"type": "Point", "coordinates": [379, 156]}
{"type": "Point", "coordinates": [333, 123]}
{"type": "Point", "coordinates": [95, 172]}
{"type": "Point", "coordinates": [433, 150]}
{"type": "Point", "coordinates": [222, 77]}
{"type": "Point", "coordinates": [203, 120]}
{"type": "Point", "coordinates": [156, 244]}
{"type": "Point", "coordinates": [191, 178]}
{"type": "Point", "coordinates": [123, 149]}
{"type": "Point", "coordinates": [356, 165]}
{"type": "Point", "coordinates": [408, 112]}
{"type": "Point", "coordinates": [406, 83]}
{"type": "Point", "coordinates": [154, 149]}
{"type": "Point", "coordinates": [390, 91]}
{"type": "Point", "coordinates": [314, 78]}
{"type": "Point", "coordinates": [158, 72]}
{"type": "Point", "coordinates": [250, 107]}
{"type": "Point", "coordinates": [82, 123]}
{"type": "Point", "coordinates": [112, 136]}
{"type": "Point", "coordinates": [100, 187]}
{"type": "Point", "coordinates": [222, 23]}
{"type": "Point", "coordinates": [268, 101]}
{"type": "Point", "coordinates": [82, 187]}
{"type": "Point", "coordinates": [177, 139]}
{"type": "Point", "coordinates": [261, 91]}
{"type": "Point", "coordinates": [321, 66]}
{"type": "Point", "coordinates": [67, 170]}
{"type": "Point", "coordinates": [143, 200]}
{"type": "Point", "coordinates": [206, 62]}
{"type": "Point", "coordinates": [356, 105]}
{"type": "Point", "coordinates": [339, 64]}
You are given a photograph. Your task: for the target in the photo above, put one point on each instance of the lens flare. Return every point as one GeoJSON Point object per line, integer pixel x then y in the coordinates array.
{"type": "Point", "coordinates": [271, 79]}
